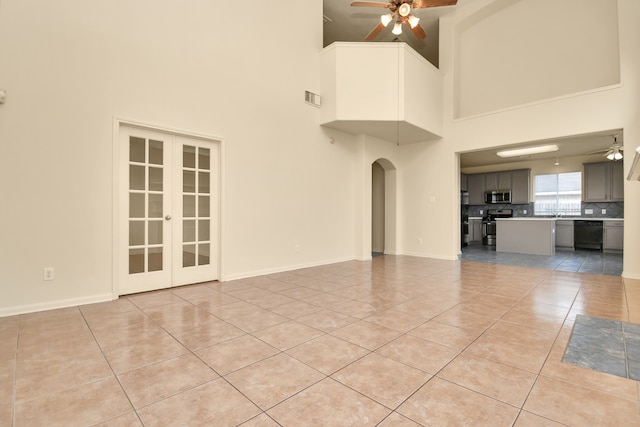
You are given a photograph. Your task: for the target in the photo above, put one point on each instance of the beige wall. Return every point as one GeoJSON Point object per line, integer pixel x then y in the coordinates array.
{"type": "Point", "coordinates": [69, 68]}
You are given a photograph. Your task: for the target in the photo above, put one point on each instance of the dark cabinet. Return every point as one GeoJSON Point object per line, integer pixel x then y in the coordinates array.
{"type": "Point", "coordinates": [497, 181]}
{"type": "Point", "coordinates": [603, 182]}
{"type": "Point", "coordinates": [475, 186]}
{"type": "Point", "coordinates": [463, 182]}
{"type": "Point", "coordinates": [520, 186]}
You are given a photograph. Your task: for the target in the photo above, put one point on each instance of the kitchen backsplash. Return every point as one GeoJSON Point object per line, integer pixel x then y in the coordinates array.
{"type": "Point", "coordinates": [613, 209]}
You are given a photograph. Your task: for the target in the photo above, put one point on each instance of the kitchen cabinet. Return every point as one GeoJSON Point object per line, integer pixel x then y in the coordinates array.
{"type": "Point", "coordinates": [613, 236]}
{"type": "Point", "coordinates": [463, 182]}
{"type": "Point", "coordinates": [564, 234]}
{"type": "Point", "coordinates": [497, 181]}
{"type": "Point", "coordinates": [475, 231]}
{"type": "Point", "coordinates": [603, 182]}
{"type": "Point", "coordinates": [520, 186]}
{"type": "Point", "coordinates": [475, 186]}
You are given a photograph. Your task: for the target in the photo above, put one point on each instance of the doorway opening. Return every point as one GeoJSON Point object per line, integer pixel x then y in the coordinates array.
{"type": "Point", "coordinates": [383, 208]}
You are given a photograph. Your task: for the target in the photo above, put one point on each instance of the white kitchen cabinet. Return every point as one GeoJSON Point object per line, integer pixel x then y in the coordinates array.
{"type": "Point", "coordinates": [564, 234]}
{"type": "Point", "coordinates": [613, 236]}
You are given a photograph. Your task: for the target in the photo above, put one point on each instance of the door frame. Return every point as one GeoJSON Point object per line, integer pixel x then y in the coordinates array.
{"type": "Point", "coordinates": [118, 123]}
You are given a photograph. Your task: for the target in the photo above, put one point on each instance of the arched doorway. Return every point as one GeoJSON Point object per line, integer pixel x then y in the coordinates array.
{"type": "Point", "coordinates": [383, 207]}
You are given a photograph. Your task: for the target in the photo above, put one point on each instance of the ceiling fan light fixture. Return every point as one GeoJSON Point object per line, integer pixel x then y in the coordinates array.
{"type": "Point", "coordinates": [386, 19]}
{"type": "Point", "coordinates": [404, 10]}
{"type": "Point", "coordinates": [397, 28]}
{"type": "Point", "coordinates": [413, 21]}
{"type": "Point", "coordinates": [528, 151]}
{"type": "Point", "coordinates": [614, 154]}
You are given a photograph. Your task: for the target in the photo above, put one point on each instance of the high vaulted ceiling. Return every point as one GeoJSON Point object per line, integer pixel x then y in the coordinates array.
{"type": "Point", "coordinates": [352, 24]}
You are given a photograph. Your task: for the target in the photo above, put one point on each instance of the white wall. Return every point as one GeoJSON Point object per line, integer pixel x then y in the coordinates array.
{"type": "Point", "coordinates": [430, 170]}
{"type": "Point", "coordinates": [570, 45]}
{"type": "Point", "coordinates": [69, 68]}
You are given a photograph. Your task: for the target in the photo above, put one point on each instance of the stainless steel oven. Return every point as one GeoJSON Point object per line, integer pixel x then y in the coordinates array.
{"type": "Point", "coordinates": [489, 225]}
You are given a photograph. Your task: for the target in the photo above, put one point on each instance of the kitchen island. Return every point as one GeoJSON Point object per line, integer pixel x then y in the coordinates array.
{"type": "Point", "coordinates": [536, 236]}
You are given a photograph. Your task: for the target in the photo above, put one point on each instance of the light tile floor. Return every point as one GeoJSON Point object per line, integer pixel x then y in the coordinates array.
{"type": "Point", "coordinates": [397, 341]}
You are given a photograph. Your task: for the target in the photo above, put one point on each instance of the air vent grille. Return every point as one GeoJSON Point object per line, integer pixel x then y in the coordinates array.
{"type": "Point", "coordinates": [311, 98]}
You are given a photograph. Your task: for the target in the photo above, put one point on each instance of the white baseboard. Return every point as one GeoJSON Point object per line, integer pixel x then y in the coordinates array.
{"type": "Point", "coordinates": [52, 305]}
{"type": "Point", "coordinates": [281, 269]}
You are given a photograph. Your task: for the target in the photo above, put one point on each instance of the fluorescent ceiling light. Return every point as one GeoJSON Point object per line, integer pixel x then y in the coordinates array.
{"type": "Point", "coordinates": [528, 150]}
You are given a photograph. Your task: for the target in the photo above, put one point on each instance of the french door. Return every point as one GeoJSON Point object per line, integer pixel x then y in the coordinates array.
{"type": "Point", "coordinates": [168, 219]}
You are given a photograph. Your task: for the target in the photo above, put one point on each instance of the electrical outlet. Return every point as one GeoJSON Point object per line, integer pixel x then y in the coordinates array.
{"type": "Point", "coordinates": [604, 211]}
{"type": "Point", "coordinates": [588, 211]}
{"type": "Point", "coordinates": [297, 249]}
{"type": "Point", "coordinates": [480, 211]}
{"type": "Point", "coordinates": [49, 273]}
{"type": "Point", "coordinates": [420, 241]}
{"type": "Point", "coordinates": [524, 211]}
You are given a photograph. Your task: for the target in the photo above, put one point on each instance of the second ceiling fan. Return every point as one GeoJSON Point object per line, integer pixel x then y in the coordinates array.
{"type": "Point", "coordinates": [401, 11]}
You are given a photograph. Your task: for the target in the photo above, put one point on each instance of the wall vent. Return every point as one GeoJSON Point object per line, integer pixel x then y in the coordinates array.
{"type": "Point", "coordinates": [311, 98]}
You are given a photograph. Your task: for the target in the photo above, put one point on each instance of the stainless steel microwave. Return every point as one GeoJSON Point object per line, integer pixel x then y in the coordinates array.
{"type": "Point", "coordinates": [497, 197]}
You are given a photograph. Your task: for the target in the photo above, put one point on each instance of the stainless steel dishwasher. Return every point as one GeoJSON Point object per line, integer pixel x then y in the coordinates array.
{"type": "Point", "coordinates": [587, 234]}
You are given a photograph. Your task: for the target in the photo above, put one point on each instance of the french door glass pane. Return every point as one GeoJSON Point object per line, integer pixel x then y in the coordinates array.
{"type": "Point", "coordinates": [137, 150]}
{"type": "Point", "coordinates": [189, 156]}
{"type": "Point", "coordinates": [203, 206]}
{"type": "Point", "coordinates": [155, 179]}
{"type": "Point", "coordinates": [136, 233]}
{"type": "Point", "coordinates": [203, 182]}
{"type": "Point", "coordinates": [188, 206]}
{"type": "Point", "coordinates": [203, 158]}
{"type": "Point", "coordinates": [189, 255]}
{"type": "Point", "coordinates": [136, 260]}
{"type": "Point", "coordinates": [136, 177]}
{"type": "Point", "coordinates": [155, 152]}
{"type": "Point", "coordinates": [155, 232]}
{"type": "Point", "coordinates": [136, 205]}
{"type": "Point", "coordinates": [155, 259]}
{"type": "Point", "coordinates": [189, 181]}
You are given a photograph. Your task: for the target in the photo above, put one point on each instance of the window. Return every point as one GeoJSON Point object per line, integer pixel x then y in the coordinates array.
{"type": "Point", "coordinates": [558, 194]}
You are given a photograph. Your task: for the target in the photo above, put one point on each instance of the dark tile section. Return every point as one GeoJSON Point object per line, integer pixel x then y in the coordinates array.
{"type": "Point", "coordinates": [608, 346]}
{"type": "Point", "coordinates": [578, 261]}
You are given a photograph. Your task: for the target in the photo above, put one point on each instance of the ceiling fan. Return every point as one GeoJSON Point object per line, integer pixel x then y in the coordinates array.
{"type": "Point", "coordinates": [401, 11]}
{"type": "Point", "coordinates": [614, 152]}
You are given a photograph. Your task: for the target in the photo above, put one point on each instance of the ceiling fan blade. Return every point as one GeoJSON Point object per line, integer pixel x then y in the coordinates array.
{"type": "Point", "coordinates": [418, 31]}
{"type": "Point", "coordinates": [420, 4]}
{"type": "Point", "coordinates": [374, 33]}
{"type": "Point", "coordinates": [370, 4]}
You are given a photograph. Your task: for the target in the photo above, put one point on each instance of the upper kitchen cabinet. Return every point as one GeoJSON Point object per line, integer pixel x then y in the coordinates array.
{"type": "Point", "coordinates": [464, 182]}
{"type": "Point", "coordinates": [520, 186]}
{"type": "Point", "coordinates": [475, 186]}
{"type": "Point", "coordinates": [603, 182]}
{"type": "Point", "coordinates": [385, 90]}
{"type": "Point", "coordinates": [497, 181]}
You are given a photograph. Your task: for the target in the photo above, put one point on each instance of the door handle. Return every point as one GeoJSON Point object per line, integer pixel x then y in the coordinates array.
{"type": "Point", "coordinates": [167, 217]}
